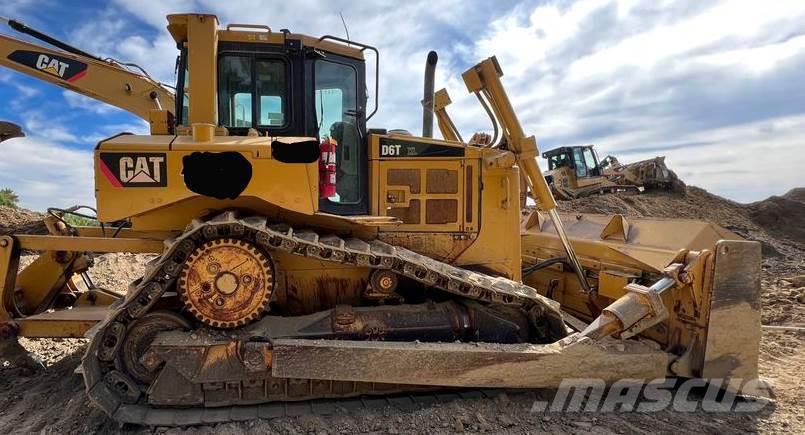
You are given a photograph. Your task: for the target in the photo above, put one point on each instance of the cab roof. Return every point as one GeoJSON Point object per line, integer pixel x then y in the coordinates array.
{"type": "Point", "coordinates": [262, 34]}
{"type": "Point", "coordinates": [562, 150]}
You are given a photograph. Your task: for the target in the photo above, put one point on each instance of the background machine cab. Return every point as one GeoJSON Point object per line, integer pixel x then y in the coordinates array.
{"type": "Point", "coordinates": [582, 159]}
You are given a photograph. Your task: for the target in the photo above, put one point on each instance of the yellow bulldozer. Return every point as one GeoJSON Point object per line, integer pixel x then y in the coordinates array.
{"type": "Point", "coordinates": [303, 255]}
{"type": "Point", "coordinates": [576, 172]}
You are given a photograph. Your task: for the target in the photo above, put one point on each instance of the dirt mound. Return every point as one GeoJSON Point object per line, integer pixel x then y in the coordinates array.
{"type": "Point", "coordinates": [20, 221]}
{"type": "Point", "coordinates": [692, 203]}
{"type": "Point", "coordinates": [782, 216]}
{"type": "Point", "coordinates": [796, 194]}
{"type": "Point", "coordinates": [778, 222]}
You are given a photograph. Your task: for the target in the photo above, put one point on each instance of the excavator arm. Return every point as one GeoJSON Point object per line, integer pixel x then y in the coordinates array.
{"type": "Point", "coordinates": [83, 73]}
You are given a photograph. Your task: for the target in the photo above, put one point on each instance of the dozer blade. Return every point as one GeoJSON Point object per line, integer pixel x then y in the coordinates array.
{"type": "Point", "coordinates": [468, 364]}
{"type": "Point", "coordinates": [649, 173]}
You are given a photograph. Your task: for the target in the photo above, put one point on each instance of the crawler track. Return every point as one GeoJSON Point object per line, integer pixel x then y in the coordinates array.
{"type": "Point", "coordinates": [124, 399]}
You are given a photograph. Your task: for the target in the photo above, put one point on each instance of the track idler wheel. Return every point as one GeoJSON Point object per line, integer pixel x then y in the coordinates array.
{"type": "Point", "coordinates": [138, 339]}
{"type": "Point", "coordinates": [226, 283]}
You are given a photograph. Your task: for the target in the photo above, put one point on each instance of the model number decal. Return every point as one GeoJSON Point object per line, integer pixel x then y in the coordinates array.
{"type": "Point", "coordinates": [403, 148]}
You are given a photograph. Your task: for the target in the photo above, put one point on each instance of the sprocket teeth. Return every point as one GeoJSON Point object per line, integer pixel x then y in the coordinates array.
{"type": "Point", "coordinates": [235, 306]}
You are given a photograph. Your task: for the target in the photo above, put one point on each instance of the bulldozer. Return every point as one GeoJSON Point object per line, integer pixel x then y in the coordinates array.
{"type": "Point", "coordinates": [575, 172]}
{"type": "Point", "coordinates": [302, 255]}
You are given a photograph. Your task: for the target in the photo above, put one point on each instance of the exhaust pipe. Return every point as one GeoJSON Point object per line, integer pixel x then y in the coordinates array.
{"type": "Point", "coordinates": [427, 99]}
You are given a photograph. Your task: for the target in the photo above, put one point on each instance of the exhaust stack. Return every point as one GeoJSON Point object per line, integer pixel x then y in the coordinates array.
{"type": "Point", "coordinates": [427, 99]}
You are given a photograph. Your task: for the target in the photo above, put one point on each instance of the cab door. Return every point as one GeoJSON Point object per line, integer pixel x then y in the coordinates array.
{"type": "Point", "coordinates": [339, 115]}
{"type": "Point", "coordinates": [587, 171]}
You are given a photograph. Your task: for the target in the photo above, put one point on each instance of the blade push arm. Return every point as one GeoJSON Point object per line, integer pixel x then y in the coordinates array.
{"type": "Point", "coordinates": [80, 72]}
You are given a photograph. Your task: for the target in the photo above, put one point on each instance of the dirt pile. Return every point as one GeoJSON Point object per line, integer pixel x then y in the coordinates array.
{"type": "Point", "coordinates": [20, 221]}
{"type": "Point", "coordinates": [782, 216]}
{"type": "Point", "coordinates": [796, 194]}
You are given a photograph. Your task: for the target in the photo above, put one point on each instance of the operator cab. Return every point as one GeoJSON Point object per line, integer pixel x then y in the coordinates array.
{"type": "Point", "coordinates": [582, 159]}
{"type": "Point", "coordinates": [290, 85]}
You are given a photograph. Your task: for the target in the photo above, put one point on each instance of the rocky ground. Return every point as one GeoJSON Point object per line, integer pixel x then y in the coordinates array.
{"type": "Point", "coordinates": [54, 402]}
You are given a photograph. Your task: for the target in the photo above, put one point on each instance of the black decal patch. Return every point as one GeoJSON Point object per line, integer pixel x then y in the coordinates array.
{"type": "Point", "coordinates": [58, 66]}
{"type": "Point", "coordinates": [135, 169]}
{"type": "Point", "coordinates": [403, 148]}
{"type": "Point", "coordinates": [219, 175]}
{"type": "Point", "coordinates": [297, 152]}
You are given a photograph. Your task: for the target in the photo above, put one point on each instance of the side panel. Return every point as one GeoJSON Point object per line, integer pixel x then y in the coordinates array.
{"type": "Point", "coordinates": [453, 207]}
{"type": "Point", "coordinates": [421, 182]}
{"type": "Point", "coordinates": [496, 248]}
{"type": "Point", "coordinates": [139, 175]}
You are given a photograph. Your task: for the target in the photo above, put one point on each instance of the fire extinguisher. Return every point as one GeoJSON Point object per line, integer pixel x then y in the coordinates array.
{"type": "Point", "coordinates": [327, 168]}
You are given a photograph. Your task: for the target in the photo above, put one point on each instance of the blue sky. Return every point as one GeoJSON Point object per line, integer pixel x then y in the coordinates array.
{"type": "Point", "coordinates": [714, 86]}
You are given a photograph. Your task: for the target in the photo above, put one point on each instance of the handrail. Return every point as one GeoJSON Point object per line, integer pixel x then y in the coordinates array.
{"type": "Point", "coordinates": [377, 65]}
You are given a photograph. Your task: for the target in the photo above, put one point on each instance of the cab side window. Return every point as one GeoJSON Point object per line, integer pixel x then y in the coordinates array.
{"type": "Point", "coordinates": [558, 161]}
{"type": "Point", "coordinates": [252, 92]}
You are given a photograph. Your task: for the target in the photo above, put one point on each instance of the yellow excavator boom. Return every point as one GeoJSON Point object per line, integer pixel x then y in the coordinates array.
{"type": "Point", "coordinates": [104, 80]}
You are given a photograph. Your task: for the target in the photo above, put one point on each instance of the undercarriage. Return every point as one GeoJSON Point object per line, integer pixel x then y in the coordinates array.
{"type": "Point", "coordinates": [192, 331]}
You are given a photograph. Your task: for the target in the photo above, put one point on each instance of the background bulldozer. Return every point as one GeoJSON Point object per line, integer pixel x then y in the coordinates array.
{"type": "Point", "coordinates": [575, 172]}
{"type": "Point", "coordinates": [303, 255]}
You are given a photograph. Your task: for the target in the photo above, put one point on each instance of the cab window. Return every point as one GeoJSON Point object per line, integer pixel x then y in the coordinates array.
{"type": "Point", "coordinates": [336, 107]}
{"type": "Point", "coordinates": [252, 92]}
{"type": "Point", "coordinates": [558, 161]}
{"type": "Point", "coordinates": [271, 89]}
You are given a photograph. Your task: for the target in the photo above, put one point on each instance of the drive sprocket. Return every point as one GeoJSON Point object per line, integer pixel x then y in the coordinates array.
{"type": "Point", "coordinates": [226, 283]}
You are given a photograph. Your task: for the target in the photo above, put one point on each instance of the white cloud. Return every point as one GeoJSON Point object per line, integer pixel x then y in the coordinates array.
{"type": "Point", "coordinates": [78, 101]}
{"type": "Point", "coordinates": [638, 77]}
{"type": "Point", "coordinates": [45, 174]}
{"type": "Point", "coordinates": [139, 126]}
{"type": "Point", "coordinates": [39, 124]}
{"type": "Point", "coordinates": [24, 91]}
{"type": "Point", "coordinates": [746, 163]}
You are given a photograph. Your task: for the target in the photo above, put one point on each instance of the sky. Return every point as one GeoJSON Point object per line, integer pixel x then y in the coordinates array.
{"type": "Point", "coordinates": [715, 86]}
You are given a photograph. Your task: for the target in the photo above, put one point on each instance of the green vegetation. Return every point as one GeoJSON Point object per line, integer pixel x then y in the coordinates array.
{"type": "Point", "coordinates": [8, 198]}
{"type": "Point", "coordinates": [78, 221]}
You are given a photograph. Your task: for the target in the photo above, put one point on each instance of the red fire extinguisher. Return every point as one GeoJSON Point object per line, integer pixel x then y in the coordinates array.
{"type": "Point", "coordinates": [327, 168]}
